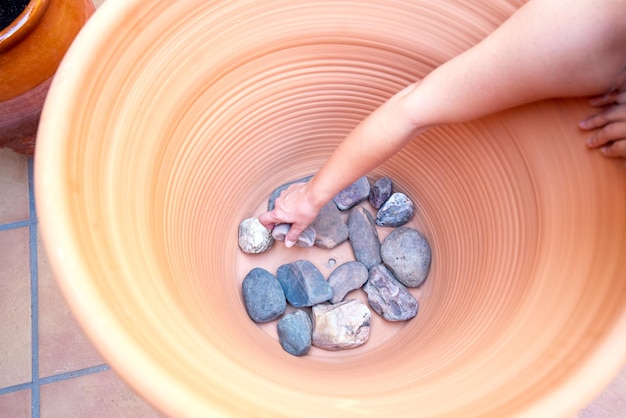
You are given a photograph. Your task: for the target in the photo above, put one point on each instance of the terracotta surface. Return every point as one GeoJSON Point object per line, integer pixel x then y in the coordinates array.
{"type": "Point", "coordinates": [170, 122]}
{"type": "Point", "coordinates": [31, 49]}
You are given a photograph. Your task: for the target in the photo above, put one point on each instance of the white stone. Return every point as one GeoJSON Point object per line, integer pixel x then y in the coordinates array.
{"type": "Point", "coordinates": [342, 326]}
{"type": "Point", "coordinates": [254, 238]}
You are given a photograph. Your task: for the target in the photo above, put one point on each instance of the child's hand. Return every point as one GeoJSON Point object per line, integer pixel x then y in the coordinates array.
{"type": "Point", "coordinates": [610, 123]}
{"type": "Point", "coordinates": [294, 207]}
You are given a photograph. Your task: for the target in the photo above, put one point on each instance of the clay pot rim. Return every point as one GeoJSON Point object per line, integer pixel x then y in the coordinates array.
{"type": "Point", "coordinates": [23, 24]}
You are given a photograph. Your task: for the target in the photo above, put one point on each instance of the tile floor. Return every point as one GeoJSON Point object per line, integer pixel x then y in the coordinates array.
{"type": "Point", "coordinates": [47, 367]}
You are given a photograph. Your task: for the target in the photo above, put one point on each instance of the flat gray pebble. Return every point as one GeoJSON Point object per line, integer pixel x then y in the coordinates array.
{"type": "Point", "coordinates": [364, 237]}
{"type": "Point", "coordinates": [305, 240]}
{"type": "Point", "coordinates": [294, 332]}
{"type": "Point", "coordinates": [330, 229]}
{"type": "Point", "coordinates": [347, 277]}
{"type": "Point", "coordinates": [388, 297]}
{"type": "Point", "coordinates": [396, 211]}
{"type": "Point", "coordinates": [380, 192]}
{"type": "Point", "coordinates": [357, 192]}
{"type": "Point", "coordinates": [303, 284]}
{"type": "Point", "coordinates": [406, 252]}
{"type": "Point", "coordinates": [263, 295]}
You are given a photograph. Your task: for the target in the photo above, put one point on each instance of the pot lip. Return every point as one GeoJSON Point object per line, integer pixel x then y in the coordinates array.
{"type": "Point", "coordinates": [23, 24]}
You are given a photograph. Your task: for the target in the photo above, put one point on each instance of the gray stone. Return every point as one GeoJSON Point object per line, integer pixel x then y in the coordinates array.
{"type": "Point", "coordinates": [388, 297]}
{"type": "Point", "coordinates": [303, 284]}
{"type": "Point", "coordinates": [407, 254]}
{"type": "Point", "coordinates": [254, 238]}
{"type": "Point", "coordinates": [294, 332]}
{"type": "Point", "coordinates": [346, 278]}
{"type": "Point", "coordinates": [305, 240]}
{"type": "Point", "coordinates": [274, 195]}
{"type": "Point", "coordinates": [263, 296]}
{"type": "Point", "coordinates": [364, 237]}
{"type": "Point", "coordinates": [330, 229]}
{"type": "Point", "coordinates": [342, 326]}
{"type": "Point", "coordinates": [380, 192]}
{"type": "Point", "coordinates": [354, 194]}
{"type": "Point", "coordinates": [396, 211]}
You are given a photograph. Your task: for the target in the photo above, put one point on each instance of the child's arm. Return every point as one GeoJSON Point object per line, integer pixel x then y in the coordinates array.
{"type": "Point", "coordinates": [547, 49]}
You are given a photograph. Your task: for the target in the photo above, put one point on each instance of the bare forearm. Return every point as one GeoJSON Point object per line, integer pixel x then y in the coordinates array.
{"type": "Point", "coordinates": [381, 135]}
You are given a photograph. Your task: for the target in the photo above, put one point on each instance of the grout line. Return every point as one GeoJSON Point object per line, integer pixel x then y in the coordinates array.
{"type": "Point", "coordinates": [34, 296]}
{"type": "Point", "coordinates": [73, 374]}
{"type": "Point", "coordinates": [56, 378]}
{"type": "Point", "coordinates": [15, 388]}
{"type": "Point", "coordinates": [15, 225]}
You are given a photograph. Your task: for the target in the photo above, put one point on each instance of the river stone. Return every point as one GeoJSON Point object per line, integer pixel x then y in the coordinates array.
{"type": "Point", "coordinates": [330, 229]}
{"type": "Point", "coordinates": [354, 194]}
{"type": "Point", "coordinates": [346, 278]}
{"type": "Point", "coordinates": [396, 211]}
{"type": "Point", "coordinates": [305, 240]}
{"type": "Point", "coordinates": [303, 284]}
{"type": "Point", "coordinates": [254, 238]}
{"type": "Point", "coordinates": [388, 297]}
{"type": "Point", "coordinates": [342, 326]}
{"type": "Point", "coordinates": [380, 192]}
{"type": "Point", "coordinates": [274, 195]}
{"type": "Point", "coordinates": [364, 237]}
{"type": "Point", "coordinates": [407, 254]}
{"type": "Point", "coordinates": [263, 295]}
{"type": "Point", "coordinates": [294, 332]}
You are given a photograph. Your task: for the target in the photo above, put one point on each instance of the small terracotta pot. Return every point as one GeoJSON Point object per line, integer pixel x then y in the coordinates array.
{"type": "Point", "coordinates": [31, 49]}
{"type": "Point", "coordinates": [171, 121]}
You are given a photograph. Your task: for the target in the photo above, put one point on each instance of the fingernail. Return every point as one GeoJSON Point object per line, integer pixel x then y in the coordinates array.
{"type": "Point", "coordinates": [590, 141]}
{"type": "Point", "coordinates": [604, 150]}
{"type": "Point", "coordinates": [583, 124]}
{"type": "Point", "coordinates": [289, 244]}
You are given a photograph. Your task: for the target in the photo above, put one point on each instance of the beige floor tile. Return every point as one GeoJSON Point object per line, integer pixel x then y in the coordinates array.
{"type": "Point", "coordinates": [63, 346]}
{"type": "Point", "coordinates": [98, 395]}
{"type": "Point", "coordinates": [15, 325]}
{"type": "Point", "coordinates": [611, 403]}
{"type": "Point", "coordinates": [15, 405]}
{"type": "Point", "coordinates": [13, 186]}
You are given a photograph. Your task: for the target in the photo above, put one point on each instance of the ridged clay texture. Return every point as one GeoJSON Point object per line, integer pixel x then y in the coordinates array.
{"type": "Point", "coordinates": [171, 121]}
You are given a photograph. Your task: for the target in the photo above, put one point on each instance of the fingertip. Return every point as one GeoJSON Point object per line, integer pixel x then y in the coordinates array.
{"type": "Point", "coordinates": [289, 243]}
{"type": "Point", "coordinates": [584, 124]}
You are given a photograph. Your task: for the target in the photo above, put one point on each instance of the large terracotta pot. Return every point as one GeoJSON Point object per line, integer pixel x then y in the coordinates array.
{"type": "Point", "coordinates": [31, 48]}
{"type": "Point", "coordinates": [171, 121]}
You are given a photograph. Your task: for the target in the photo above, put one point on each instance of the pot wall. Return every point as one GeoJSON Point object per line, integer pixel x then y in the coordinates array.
{"type": "Point", "coordinates": [171, 122]}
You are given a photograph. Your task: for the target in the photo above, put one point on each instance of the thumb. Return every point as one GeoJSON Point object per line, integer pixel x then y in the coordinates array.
{"type": "Point", "coordinates": [293, 234]}
{"type": "Point", "coordinates": [268, 219]}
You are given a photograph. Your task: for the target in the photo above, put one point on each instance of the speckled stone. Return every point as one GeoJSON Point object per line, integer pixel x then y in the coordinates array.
{"type": "Point", "coordinates": [263, 296]}
{"type": "Point", "coordinates": [380, 192]}
{"type": "Point", "coordinates": [364, 237]}
{"type": "Point", "coordinates": [342, 326]}
{"type": "Point", "coordinates": [407, 254]}
{"type": "Point", "coordinates": [330, 229]}
{"type": "Point", "coordinates": [274, 195]}
{"type": "Point", "coordinates": [396, 211]}
{"type": "Point", "coordinates": [354, 194]}
{"type": "Point", "coordinates": [254, 238]}
{"type": "Point", "coordinates": [305, 240]}
{"type": "Point", "coordinates": [388, 297]}
{"type": "Point", "coordinates": [303, 284]}
{"type": "Point", "coordinates": [346, 278]}
{"type": "Point", "coordinates": [294, 332]}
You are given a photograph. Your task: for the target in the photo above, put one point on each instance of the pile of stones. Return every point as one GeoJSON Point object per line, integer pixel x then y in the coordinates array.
{"type": "Point", "coordinates": [383, 270]}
